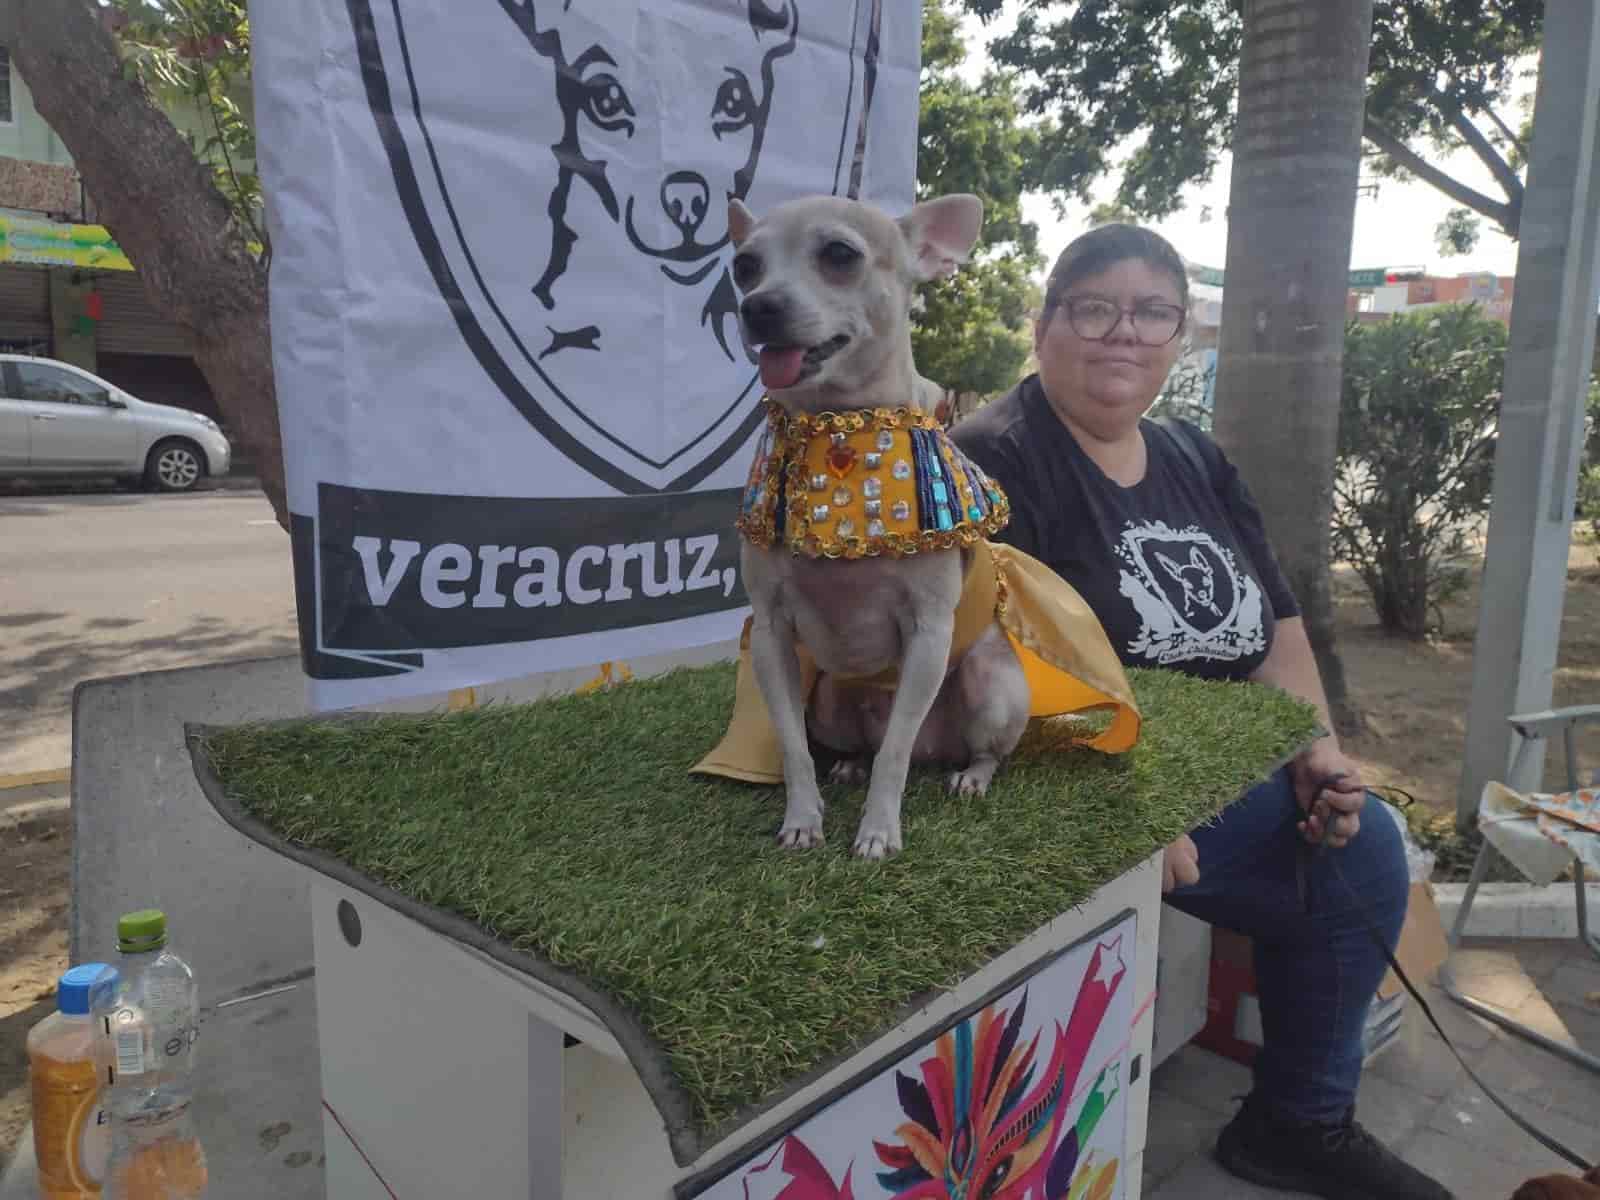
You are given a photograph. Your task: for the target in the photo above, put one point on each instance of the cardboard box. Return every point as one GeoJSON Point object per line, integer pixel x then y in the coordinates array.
{"type": "Point", "coordinates": [1233, 1013]}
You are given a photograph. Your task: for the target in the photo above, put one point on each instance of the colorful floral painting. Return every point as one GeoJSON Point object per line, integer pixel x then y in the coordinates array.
{"type": "Point", "coordinates": [1022, 1100]}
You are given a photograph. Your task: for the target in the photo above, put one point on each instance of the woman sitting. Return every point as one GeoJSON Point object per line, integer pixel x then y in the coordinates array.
{"type": "Point", "coordinates": [1154, 527]}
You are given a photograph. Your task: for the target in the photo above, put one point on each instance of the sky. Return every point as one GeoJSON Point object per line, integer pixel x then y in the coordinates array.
{"type": "Point", "coordinates": [1392, 229]}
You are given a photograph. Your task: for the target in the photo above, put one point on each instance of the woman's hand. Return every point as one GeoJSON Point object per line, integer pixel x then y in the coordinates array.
{"type": "Point", "coordinates": [1180, 864]}
{"type": "Point", "coordinates": [1328, 787]}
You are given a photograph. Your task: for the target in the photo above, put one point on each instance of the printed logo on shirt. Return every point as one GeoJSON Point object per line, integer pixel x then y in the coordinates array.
{"type": "Point", "coordinates": [1191, 598]}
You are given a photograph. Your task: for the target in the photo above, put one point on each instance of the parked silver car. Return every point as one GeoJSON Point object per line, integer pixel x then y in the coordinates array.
{"type": "Point", "coordinates": [59, 420]}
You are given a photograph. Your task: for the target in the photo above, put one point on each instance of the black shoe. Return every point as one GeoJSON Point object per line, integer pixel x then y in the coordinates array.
{"type": "Point", "coordinates": [1338, 1162]}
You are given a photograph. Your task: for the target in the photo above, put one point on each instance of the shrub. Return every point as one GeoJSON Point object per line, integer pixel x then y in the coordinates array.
{"type": "Point", "coordinates": [1589, 477]}
{"type": "Point", "coordinates": [1416, 436]}
{"type": "Point", "coordinates": [1589, 498]}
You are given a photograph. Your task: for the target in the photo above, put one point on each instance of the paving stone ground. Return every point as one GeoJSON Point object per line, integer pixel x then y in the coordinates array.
{"type": "Point", "coordinates": [1415, 1096]}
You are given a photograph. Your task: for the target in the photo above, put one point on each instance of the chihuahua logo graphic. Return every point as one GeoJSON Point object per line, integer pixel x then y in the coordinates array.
{"type": "Point", "coordinates": [1192, 599]}
{"type": "Point", "coordinates": [566, 174]}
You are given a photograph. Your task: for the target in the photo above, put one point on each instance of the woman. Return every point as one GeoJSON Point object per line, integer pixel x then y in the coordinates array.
{"type": "Point", "coordinates": [1158, 533]}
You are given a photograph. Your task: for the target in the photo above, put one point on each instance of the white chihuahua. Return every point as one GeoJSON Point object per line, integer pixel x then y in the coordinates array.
{"type": "Point", "coordinates": [827, 288]}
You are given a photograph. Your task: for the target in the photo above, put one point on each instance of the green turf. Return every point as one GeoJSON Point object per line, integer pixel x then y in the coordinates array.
{"type": "Point", "coordinates": [571, 829]}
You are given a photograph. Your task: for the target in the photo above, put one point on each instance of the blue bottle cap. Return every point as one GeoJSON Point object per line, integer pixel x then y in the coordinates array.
{"type": "Point", "coordinates": [84, 987]}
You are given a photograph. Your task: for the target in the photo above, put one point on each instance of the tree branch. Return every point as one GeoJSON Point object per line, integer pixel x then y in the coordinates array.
{"type": "Point", "coordinates": [1408, 158]}
{"type": "Point", "coordinates": [1506, 129]}
{"type": "Point", "coordinates": [165, 211]}
{"type": "Point", "coordinates": [1508, 179]}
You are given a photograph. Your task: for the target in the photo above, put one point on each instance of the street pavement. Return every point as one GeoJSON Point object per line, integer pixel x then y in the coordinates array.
{"type": "Point", "coordinates": [109, 583]}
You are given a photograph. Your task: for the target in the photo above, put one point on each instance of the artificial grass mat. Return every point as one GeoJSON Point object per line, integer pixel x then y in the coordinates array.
{"type": "Point", "coordinates": [570, 830]}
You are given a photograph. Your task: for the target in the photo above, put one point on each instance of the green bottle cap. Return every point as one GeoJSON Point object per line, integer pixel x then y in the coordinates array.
{"type": "Point", "coordinates": [141, 931]}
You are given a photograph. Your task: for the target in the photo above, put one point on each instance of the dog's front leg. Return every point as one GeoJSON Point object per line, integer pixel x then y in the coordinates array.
{"type": "Point", "coordinates": [777, 668]}
{"type": "Point", "coordinates": [927, 655]}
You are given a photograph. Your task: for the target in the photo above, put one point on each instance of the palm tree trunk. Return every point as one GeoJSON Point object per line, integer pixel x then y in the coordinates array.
{"type": "Point", "coordinates": [1291, 212]}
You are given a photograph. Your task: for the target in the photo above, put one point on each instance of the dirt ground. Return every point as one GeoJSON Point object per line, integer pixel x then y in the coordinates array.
{"type": "Point", "coordinates": [34, 894]}
{"type": "Point", "coordinates": [1413, 695]}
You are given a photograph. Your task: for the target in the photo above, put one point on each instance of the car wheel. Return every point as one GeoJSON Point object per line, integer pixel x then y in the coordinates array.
{"type": "Point", "coordinates": [174, 466]}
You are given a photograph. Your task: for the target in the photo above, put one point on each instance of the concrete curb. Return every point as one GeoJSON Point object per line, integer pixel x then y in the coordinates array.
{"type": "Point", "coordinates": [33, 779]}
{"type": "Point", "coordinates": [32, 816]}
{"type": "Point", "coordinates": [1518, 910]}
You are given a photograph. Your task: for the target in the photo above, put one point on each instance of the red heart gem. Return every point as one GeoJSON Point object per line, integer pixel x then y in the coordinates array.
{"type": "Point", "coordinates": [841, 459]}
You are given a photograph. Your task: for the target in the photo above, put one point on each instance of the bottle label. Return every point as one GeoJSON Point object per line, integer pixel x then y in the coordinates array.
{"type": "Point", "coordinates": [130, 1051]}
{"type": "Point", "coordinates": [166, 1001]}
{"type": "Point", "coordinates": [71, 1133]}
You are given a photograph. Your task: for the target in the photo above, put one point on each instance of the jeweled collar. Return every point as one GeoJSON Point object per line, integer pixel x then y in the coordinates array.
{"type": "Point", "coordinates": [863, 483]}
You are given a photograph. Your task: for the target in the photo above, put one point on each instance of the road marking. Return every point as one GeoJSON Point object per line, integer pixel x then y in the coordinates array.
{"type": "Point", "coordinates": [268, 521]}
{"type": "Point", "coordinates": [35, 778]}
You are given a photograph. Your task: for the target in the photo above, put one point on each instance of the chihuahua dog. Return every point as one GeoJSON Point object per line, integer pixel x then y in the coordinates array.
{"type": "Point", "coordinates": [826, 287]}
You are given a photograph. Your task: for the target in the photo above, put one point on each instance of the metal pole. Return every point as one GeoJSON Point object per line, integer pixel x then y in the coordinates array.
{"type": "Point", "coordinates": [1541, 416]}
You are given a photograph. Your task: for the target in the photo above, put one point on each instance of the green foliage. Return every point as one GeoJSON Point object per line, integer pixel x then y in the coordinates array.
{"type": "Point", "coordinates": [971, 333]}
{"type": "Point", "coordinates": [1457, 234]}
{"type": "Point", "coordinates": [194, 57]}
{"type": "Point", "coordinates": [1589, 498]}
{"type": "Point", "coordinates": [1416, 434]}
{"type": "Point", "coordinates": [1157, 81]}
{"type": "Point", "coordinates": [1112, 213]}
{"type": "Point", "coordinates": [1589, 478]}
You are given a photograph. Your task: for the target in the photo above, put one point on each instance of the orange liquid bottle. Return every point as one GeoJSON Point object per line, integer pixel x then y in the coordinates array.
{"type": "Point", "coordinates": [70, 1131]}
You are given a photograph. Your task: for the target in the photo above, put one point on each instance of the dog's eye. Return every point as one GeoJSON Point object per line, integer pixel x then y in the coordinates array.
{"type": "Point", "coordinates": [606, 102]}
{"type": "Point", "coordinates": [734, 106]}
{"type": "Point", "coordinates": [839, 255]}
{"type": "Point", "coordinates": [746, 271]}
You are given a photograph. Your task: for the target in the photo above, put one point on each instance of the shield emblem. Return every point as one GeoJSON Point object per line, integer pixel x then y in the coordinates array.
{"type": "Point", "coordinates": [1187, 570]}
{"type": "Point", "coordinates": [565, 168]}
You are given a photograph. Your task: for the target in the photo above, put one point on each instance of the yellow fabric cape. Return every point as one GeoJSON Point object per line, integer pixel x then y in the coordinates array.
{"type": "Point", "coordinates": [1065, 655]}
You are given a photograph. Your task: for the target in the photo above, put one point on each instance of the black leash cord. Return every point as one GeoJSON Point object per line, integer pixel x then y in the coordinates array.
{"type": "Point", "coordinates": [1527, 1127]}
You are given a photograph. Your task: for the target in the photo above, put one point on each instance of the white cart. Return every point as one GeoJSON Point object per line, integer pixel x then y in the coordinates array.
{"type": "Point", "coordinates": [447, 1073]}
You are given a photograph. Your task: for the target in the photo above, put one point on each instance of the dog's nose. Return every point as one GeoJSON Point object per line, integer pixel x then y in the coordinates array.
{"type": "Point", "coordinates": [684, 198]}
{"type": "Point", "coordinates": [763, 315]}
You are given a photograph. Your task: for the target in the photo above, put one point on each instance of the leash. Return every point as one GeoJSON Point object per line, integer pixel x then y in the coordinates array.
{"type": "Point", "coordinates": [1308, 853]}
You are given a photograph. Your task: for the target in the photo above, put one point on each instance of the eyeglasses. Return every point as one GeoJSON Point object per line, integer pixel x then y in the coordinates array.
{"type": "Point", "coordinates": [1095, 318]}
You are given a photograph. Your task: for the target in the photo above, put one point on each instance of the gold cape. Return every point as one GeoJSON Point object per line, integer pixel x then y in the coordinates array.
{"type": "Point", "coordinates": [1066, 657]}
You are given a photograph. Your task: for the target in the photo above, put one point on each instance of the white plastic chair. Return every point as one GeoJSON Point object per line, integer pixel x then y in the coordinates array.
{"type": "Point", "coordinates": [1530, 729]}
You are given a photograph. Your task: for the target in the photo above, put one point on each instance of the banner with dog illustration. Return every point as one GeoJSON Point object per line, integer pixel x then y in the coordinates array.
{"type": "Point", "coordinates": [517, 410]}
{"type": "Point", "coordinates": [1025, 1099]}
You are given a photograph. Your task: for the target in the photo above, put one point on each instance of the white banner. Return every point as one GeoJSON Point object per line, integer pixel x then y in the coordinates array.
{"type": "Point", "coordinates": [516, 407]}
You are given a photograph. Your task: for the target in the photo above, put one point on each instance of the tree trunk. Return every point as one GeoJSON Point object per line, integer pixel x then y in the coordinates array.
{"type": "Point", "coordinates": [1291, 213]}
{"type": "Point", "coordinates": [160, 204]}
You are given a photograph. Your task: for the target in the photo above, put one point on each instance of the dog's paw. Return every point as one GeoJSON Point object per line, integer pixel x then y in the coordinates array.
{"type": "Point", "coordinates": [806, 836]}
{"type": "Point", "coordinates": [974, 780]}
{"type": "Point", "coordinates": [850, 771]}
{"type": "Point", "coordinates": [875, 845]}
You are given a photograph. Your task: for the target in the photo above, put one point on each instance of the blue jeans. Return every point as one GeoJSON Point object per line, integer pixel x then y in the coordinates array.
{"type": "Point", "coordinates": [1318, 970]}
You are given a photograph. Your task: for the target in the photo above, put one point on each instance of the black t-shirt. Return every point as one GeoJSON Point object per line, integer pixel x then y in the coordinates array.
{"type": "Point", "coordinates": [1177, 567]}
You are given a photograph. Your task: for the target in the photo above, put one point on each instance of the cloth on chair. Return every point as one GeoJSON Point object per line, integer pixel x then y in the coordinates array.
{"type": "Point", "coordinates": [1540, 834]}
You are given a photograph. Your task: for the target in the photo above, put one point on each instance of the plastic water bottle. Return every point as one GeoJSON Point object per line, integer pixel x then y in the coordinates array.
{"type": "Point", "coordinates": [149, 1040]}
{"type": "Point", "coordinates": [69, 1123]}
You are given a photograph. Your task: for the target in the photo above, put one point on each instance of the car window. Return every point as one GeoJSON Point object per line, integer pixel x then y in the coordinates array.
{"type": "Point", "coordinates": [55, 386]}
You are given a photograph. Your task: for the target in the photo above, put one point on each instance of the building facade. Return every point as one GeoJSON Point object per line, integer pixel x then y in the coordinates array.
{"type": "Point", "coordinates": [66, 289]}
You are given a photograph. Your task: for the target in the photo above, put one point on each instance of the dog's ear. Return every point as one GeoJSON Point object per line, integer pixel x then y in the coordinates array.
{"type": "Point", "coordinates": [1196, 559]}
{"type": "Point", "coordinates": [941, 233]}
{"type": "Point", "coordinates": [740, 221]}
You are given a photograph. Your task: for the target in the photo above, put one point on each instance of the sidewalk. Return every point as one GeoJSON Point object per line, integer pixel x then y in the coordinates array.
{"type": "Point", "coordinates": [1415, 1096]}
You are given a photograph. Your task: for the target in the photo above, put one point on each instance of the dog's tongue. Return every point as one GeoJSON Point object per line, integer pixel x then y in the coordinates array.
{"type": "Point", "coordinates": [780, 368]}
